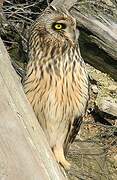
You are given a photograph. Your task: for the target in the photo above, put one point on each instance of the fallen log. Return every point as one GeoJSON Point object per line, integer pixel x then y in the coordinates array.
{"type": "Point", "coordinates": [107, 105]}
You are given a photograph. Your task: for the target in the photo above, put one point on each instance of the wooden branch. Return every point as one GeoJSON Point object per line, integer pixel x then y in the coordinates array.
{"type": "Point", "coordinates": [24, 151]}
{"type": "Point", "coordinates": [66, 3]}
{"type": "Point", "coordinates": [95, 56]}
{"type": "Point", "coordinates": [106, 31]}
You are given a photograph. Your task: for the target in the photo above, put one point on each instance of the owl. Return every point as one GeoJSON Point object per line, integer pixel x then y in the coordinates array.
{"type": "Point", "coordinates": [56, 82]}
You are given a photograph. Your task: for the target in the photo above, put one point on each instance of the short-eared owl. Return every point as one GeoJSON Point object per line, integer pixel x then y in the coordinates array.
{"type": "Point", "coordinates": [56, 82]}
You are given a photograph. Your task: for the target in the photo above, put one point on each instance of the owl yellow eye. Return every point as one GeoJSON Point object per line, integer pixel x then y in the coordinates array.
{"type": "Point", "coordinates": [58, 26]}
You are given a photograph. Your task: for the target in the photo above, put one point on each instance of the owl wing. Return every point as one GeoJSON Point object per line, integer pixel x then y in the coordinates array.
{"type": "Point", "coordinates": [74, 126]}
{"type": "Point", "coordinates": [72, 132]}
{"type": "Point", "coordinates": [75, 129]}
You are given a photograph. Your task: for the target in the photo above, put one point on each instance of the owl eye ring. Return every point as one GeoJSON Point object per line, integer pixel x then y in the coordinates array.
{"type": "Point", "coordinates": [59, 26]}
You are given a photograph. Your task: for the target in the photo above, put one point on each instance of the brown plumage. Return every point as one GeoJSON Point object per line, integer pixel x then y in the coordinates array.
{"type": "Point", "coordinates": [56, 82]}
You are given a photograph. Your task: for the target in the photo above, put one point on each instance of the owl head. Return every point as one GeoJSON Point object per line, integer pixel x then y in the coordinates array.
{"type": "Point", "coordinates": [56, 25]}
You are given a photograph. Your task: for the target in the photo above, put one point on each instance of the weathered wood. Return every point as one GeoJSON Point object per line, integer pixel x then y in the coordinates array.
{"type": "Point", "coordinates": [100, 23]}
{"type": "Point", "coordinates": [107, 105]}
{"type": "Point", "coordinates": [96, 57]}
{"type": "Point", "coordinates": [24, 151]}
{"type": "Point", "coordinates": [66, 3]}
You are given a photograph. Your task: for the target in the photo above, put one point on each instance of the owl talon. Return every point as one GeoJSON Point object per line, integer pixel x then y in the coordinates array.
{"type": "Point", "coordinates": [59, 155]}
{"type": "Point", "coordinates": [66, 165]}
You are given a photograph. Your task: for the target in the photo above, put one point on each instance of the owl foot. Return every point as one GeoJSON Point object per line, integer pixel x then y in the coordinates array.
{"type": "Point", "coordinates": [59, 155]}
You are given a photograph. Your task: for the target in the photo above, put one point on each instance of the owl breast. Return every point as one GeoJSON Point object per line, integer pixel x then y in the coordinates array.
{"type": "Point", "coordinates": [58, 94]}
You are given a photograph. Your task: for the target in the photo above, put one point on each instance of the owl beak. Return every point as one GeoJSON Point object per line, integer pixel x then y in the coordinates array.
{"type": "Point", "coordinates": [74, 37]}
{"type": "Point", "coordinates": [77, 34]}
